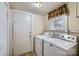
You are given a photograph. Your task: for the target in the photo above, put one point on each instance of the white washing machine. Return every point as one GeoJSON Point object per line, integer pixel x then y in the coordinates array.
{"type": "Point", "coordinates": [62, 45]}
{"type": "Point", "coordinates": [56, 44]}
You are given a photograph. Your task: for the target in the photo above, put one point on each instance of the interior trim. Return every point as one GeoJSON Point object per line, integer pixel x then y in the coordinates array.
{"type": "Point", "coordinates": [24, 54]}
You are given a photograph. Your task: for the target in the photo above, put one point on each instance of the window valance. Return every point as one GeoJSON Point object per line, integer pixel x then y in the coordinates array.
{"type": "Point", "coordinates": [58, 12]}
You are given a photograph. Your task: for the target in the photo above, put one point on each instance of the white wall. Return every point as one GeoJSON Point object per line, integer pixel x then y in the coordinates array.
{"type": "Point", "coordinates": [37, 24]}
{"type": "Point", "coordinates": [46, 23]}
{"type": "Point", "coordinates": [73, 20]}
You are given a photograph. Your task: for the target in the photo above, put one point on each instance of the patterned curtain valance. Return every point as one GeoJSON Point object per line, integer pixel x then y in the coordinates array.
{"type": "Point", "coordinates": [58, 12]}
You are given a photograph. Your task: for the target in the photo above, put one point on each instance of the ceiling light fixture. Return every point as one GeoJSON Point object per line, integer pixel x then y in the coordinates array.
{"type": "Point", "coordinates": [38, 4]}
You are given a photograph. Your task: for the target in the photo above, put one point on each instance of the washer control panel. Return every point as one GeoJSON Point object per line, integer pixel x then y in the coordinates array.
{"type": "Point", "coordinates": [61, 36]}
{"type": "Point", "coordinates": [70, 38]}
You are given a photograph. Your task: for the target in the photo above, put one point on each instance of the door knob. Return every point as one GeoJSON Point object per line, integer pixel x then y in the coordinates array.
{"type": "Point", "coordinates": [30, 36]}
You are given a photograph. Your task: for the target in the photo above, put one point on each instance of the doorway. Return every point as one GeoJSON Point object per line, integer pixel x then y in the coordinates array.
{"type": "Point", "coordinates": [22, 33]}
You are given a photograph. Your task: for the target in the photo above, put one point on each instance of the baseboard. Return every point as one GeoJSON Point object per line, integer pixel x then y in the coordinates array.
{"type": "Point", "coordinates": [23, 54]}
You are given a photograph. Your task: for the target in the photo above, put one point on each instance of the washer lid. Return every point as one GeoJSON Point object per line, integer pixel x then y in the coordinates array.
{"type": "Point", "coordinates": [63, 43]}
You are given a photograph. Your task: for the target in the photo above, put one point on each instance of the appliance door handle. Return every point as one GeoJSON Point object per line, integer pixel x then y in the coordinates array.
{"type": "Point", "coordinates": [51, 44]}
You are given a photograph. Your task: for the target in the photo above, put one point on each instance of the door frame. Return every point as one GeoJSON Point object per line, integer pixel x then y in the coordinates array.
{"type": "Point", "coordinates": [8, 40]}
{"type": "Point", "coordinates": [25, 13]}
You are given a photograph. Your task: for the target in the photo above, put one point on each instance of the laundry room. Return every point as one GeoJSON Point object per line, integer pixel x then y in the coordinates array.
{"type": "Point", "coordinates": [39, 29]}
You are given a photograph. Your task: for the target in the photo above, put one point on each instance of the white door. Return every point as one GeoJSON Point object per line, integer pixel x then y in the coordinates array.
{"type": "Point", "coordinates": [22, 32]}
{"type": "Point", "coordinates": [3, 29]}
